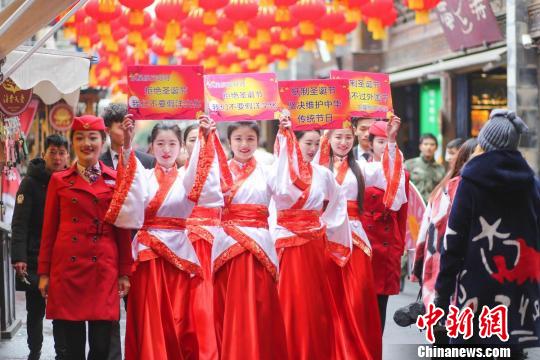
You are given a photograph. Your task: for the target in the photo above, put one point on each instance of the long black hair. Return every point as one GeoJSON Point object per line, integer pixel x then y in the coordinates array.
{"type": "Point", "coordinates": [355, 168]}
{"type": "Point", "coordinates": [237, 125]}
{"type": "Point", "coordinates": [300, 133]}
{"type": "Point", "coordinates": [189, 129]}
{"type": "Point", "coordinates": [165, 127]}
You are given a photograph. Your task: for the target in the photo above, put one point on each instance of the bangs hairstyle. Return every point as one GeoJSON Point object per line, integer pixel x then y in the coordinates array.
{"type": "Point", "coordinates": [55, 140]}
{"type": "Point", "coordinates": [237, 125]}
{"type": "Point", "coordinates": [188, 130]}
{"type": "Point", "coordinates": [355, 168]}
{"type": "Point", "coordinates": [299, 134]}
{"type": "Point", "coordinates": [164, 127]}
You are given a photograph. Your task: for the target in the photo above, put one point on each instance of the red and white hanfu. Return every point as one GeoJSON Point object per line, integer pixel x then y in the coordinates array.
{"type": "Point", "coordinates": [353, 284]}
{"type": "Point", "coordinates": [303, 233]}
{"type": "Point", "coordinates": [248, 319]}
{"type": "Point", "coordinates": [157, 202]}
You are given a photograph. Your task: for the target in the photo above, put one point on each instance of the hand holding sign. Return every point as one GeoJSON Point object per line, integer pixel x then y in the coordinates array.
{"type": "Point", "coordinates": [392, 128]}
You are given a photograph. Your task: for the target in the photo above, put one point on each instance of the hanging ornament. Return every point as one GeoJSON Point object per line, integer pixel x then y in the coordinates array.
{"type": "Point", "coordinates": [240, 11]}
{"type": "Point", "coordinates": [103, 12]}
{"type": "Point", "coordinates": [170, 12]}
{"type": "Point", "coordinates": [421, 9]}
{"type": "Point", "coordinates": [136, 12]}
{"type": "Point", "coordinates": [210, 8]}
{"type": "Point", "coordinates": [264, 21]}
{"type": "Point", "coordinates": [308, 12]}
{"type": "Point", "coordinates": [282, 12]}
{"type": "Point", "coordinates": [378, 15]}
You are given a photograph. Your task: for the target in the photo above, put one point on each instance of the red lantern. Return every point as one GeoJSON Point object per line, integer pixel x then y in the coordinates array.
{"type": "Point", "coordinates": [353, 13]}
{"type": "Point", "coordinates": [330, 21]}
{"type": "Point", "coordinates": [136, 14]}
{"type": "Point", "coordinates": [70, 26]}
{"type": "Point", "coordinates": [240, 11]}
{"type": "Point", "coordinates": [171, 13]}
{"type": "Point", "coordinates": [378, 16]}
{"type": "Point", "coordinates": [308, 11]}
{"type": "Point", "coordinates": [282, 13]}
{"type": "Point", "coordinates": [195, 23]}
{"type": "Point", "coordinates": [421, 8]}
{"type": "Point", "coordinates": [103, 11]}
{"type": "Point", "coordinates": [210, 10]}
{"type": "Point", "coordinates": [264, 21]}
{"type": "Point", "coordinates": [87, 33]}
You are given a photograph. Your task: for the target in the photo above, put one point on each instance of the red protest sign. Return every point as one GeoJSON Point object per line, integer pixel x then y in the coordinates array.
{"type": "Point", "coordinates": [165, 92]}
{"type": "Point", "coordinates": [370, 93]}
{"type": "Point", "coordinates": [235, 97]}
{"type": "Point", "coordinates": [316, 104]}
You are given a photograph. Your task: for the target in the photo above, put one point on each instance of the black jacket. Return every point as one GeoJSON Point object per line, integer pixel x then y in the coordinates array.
{"type": "Point", "coordinates": [28, 214]}
{"type": "Point", "coordinates": [147, 160]}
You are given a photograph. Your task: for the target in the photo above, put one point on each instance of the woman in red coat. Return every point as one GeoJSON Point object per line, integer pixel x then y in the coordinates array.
{"type": "Point", "coordinates": [84, 263]}
{"type": "Point", "coordinates": [385, 228]}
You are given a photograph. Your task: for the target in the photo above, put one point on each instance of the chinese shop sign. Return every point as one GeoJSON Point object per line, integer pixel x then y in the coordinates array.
{"type": "Point", "coordinates": [165, 92]}
{"type": "Point", "coordinates": [235, 97]}
{"type": "Point", "coordinates": [468, 23]}
{"type": "Point", "coordinates": [13, 100]}
{"type": "Point", "coordinates": [61, 117]}
{"type": "Point", "coordinates": [369, 93]}
{"type": "Point", "coordinates": [316, 104]}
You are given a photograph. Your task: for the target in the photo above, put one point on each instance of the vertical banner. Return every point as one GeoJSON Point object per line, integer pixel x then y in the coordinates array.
{"type": "Point", "coordinates": [370, 93]}
{"type": "Point", "coordinates": [316, 104]}
{"type": "Point", "coordinates": [235, 97]}
{"type": "Point", "coordinates": [165, 92]}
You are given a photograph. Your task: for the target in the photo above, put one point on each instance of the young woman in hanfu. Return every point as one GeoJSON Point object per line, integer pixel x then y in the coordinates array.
{"type": "Point", "coordinates": [352, 284]}
{"type": "Point", "coordinates": [157, 202]}
{"type": "Point", "coordinates": [201, 227]}
{"type": "Point", "coordinates": [248, 319]}
{"type": "Point", "coordinates": [303, 233]}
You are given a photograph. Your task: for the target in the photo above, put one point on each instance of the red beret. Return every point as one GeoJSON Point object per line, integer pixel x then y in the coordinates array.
{"type": "Point", "coordinates": [87, 123]}
{"type": "Point", "coordinates": [378, 128]}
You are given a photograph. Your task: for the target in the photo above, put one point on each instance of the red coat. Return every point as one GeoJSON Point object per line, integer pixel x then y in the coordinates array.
{"type": "Point", "coordinates": [82, 255]}
{"type": "Point", "coordinates": [385, 230]}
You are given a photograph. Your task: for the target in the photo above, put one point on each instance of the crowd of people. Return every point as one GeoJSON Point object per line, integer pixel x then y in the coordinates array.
{"type": "Point", "coordinates": [224, 257]}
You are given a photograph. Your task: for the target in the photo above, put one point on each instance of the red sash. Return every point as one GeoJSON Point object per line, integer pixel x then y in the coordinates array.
{"type": "Point", "coordinates": [352, 211]}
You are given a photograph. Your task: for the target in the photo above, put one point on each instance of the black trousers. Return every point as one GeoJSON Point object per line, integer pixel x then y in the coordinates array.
{"type": "Point", "coordinates": [99, 339]}
{"type": "Point", "coordinates": [35, 312]}
{"type": "Point", "coordinates": [382, 300]}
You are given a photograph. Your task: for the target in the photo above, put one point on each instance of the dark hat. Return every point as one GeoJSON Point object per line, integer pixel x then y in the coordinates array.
{"type": "Point", "coordinates": [87, 123]}
{"type": "Point", "coordinates": [502, 131]}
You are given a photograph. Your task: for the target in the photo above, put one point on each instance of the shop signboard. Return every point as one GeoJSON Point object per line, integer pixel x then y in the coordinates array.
{"type": "Point", "coordinates": [430, 106]}
{"type": "Point", "coordinates": [467, 23]}
{"type": "Point", "coordinates": [61, 117]}
{"type": "Point", "coordinates": [13, 100]}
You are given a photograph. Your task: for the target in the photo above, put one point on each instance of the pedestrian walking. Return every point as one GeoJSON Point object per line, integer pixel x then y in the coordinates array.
{"type": "Point", "coordinates": [491, 251]}
{"type": "Point", "coordinates": [424, 170]}
{"type": "Point", "coordinates": [26, 238]}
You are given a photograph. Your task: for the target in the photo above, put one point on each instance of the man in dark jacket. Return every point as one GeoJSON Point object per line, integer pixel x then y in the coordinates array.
{"type": "Point", "coordinates": [490, 255]}
{"type": "Point", "coordinates": [26, 236]}
{"type": "Point", "coordinates": [113, 115]}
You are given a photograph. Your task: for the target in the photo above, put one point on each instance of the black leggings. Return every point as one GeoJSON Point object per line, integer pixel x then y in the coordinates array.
{"type": "Point", "coordinates": [99, 339]}
{"type": "Point", "coordinates": [382, 300]}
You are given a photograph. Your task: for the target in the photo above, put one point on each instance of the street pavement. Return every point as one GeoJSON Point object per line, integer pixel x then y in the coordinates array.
{"type": "Point", "coordinates": [398, 343]}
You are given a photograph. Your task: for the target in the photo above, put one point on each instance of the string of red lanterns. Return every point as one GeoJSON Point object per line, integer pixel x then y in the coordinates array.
{"type": "Point", "coordinates": [225, 36]}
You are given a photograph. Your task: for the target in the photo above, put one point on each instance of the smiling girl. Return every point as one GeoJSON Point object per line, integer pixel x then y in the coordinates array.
{"type": "Point", "coordinates": [249, 322]}
{"type": "Point", "coordinates": [352, 284]}
{"type": "Point", "coordinates": [157, 202]}
{"type": "Point", "coordinates": [305, 230]}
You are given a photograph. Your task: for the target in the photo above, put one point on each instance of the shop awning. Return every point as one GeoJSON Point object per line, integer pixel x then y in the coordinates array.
{"type": "Point", "coordinates": [31, 15]}
{"type": "Point", "coordinates": [477, 59]}
{"type": "Point", "coordinates": [52, 74]}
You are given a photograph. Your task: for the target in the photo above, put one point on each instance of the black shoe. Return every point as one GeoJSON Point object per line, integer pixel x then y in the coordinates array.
{"type": "Point", "coordinates": [34, 355]}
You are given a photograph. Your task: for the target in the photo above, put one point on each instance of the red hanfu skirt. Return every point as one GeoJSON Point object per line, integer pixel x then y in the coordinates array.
{"type": "Point", "coordinates": [158, 318]}
{"type": "Point", "coordinates": [306, 301]}
{"type": "Point", "coordinates": [202, 303]}
{"type": "Point", "coordinates": [359, 336]}
{"type": "Point", "coordinates": [248, 319]}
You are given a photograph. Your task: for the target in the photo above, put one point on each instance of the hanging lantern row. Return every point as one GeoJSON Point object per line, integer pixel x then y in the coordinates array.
{"type": "Point", "coordinates": [225, 36]}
